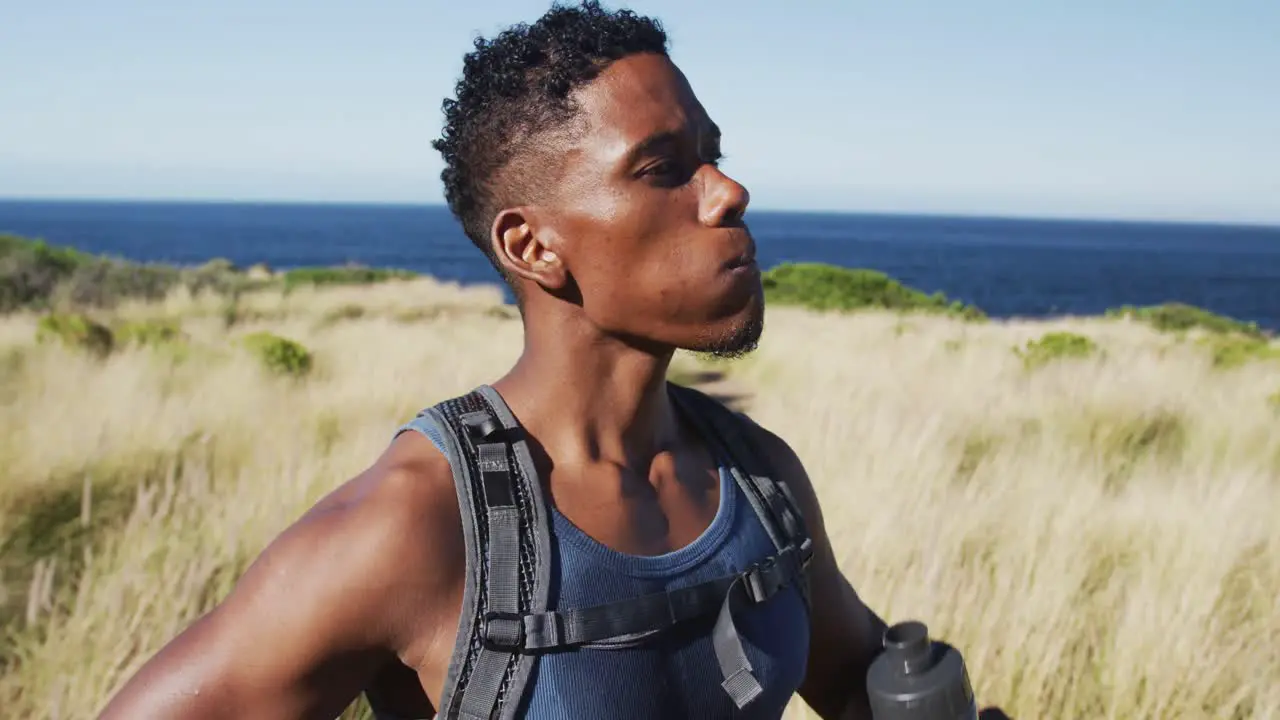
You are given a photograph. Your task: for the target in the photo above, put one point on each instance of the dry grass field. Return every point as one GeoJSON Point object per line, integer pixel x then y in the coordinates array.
{"type": "Point", "coordinates": [1099, 532]}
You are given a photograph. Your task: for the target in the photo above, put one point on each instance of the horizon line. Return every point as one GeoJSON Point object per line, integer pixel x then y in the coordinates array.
{"type": "Point", "coordinates": [1095, 219]}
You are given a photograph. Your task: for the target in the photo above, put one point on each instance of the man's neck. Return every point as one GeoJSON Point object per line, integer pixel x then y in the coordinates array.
{"type": "Point", "coordinates": [588, 397]}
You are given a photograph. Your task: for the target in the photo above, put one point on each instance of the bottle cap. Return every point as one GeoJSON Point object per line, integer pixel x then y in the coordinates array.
{"type": "Point", "coordinates": [917, 678]}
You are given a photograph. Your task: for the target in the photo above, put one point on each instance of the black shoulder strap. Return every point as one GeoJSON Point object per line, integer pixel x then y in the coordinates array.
{"type": "Point", "coordinates": [768, 492]}
{"type": "Point", "coordinates": [508, 543]}
{"type": "Point", "coordinates": [778, 512]}
{"type": "Point", "coordinates": [505, 620]}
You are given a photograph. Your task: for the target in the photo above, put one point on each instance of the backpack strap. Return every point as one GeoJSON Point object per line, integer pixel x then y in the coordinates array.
{"type": "Point", "coordinates": [507, 534]}
{"type": "Point", "coordinates": [778, 512]}
{"type": "Point", "coordinates": [626, 621]}
{"type": "Point", "coordinates": [505, 621]}
{"type": "Point", "coordinates": [770, 494]}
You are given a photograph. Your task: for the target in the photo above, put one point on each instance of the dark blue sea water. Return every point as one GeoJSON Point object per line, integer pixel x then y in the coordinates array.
{"type": "Point", "coordinates": [1007, 267]}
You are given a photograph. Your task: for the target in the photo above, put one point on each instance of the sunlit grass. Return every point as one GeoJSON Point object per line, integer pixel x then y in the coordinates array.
{"type": "Point", "coordinates": [1096, 531]}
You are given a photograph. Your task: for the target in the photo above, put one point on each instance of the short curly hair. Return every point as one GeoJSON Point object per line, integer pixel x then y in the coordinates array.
{"type": "Point", "coordinates": [514, 91]}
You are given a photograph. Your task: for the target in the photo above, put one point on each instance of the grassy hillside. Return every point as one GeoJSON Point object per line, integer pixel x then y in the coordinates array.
{"type": "Point", "coordinates": [1086, 507]}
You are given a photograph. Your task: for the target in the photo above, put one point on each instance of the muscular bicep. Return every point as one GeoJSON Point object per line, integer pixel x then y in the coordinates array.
{"type": "Point", "coordinates": [846, 637]}
{"type": "Point", "coordinates": [306, 628]}
{"type": "Point", "coordinates": [296, 638]}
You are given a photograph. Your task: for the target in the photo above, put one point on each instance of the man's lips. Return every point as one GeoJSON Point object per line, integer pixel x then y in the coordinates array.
{"type": "Point", "coordinates": [743, 259]}
{"type": "Point", "coordinates": [746, 257]}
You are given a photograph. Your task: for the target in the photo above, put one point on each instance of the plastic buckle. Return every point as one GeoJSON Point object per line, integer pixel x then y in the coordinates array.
{"type": "Point", "coordinates": [806, 553]}
{"type": "Point", "coordinates": [503, 631]}
{"type": "Point", "coordinates": [763, 579]}
{"type": "Point", "coordinates": [480, 425]}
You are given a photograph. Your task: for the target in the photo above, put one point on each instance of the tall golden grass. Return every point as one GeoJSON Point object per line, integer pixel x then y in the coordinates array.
{"type": "Point", "coordinates": [1100, 536]}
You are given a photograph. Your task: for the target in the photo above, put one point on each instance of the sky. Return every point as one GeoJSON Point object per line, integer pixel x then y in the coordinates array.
{"type": "Point", "coordinates": [1145, 109]}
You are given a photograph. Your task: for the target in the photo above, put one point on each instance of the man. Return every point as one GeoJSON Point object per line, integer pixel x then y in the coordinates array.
{"type": "Point", "coordinates": [581, 163]}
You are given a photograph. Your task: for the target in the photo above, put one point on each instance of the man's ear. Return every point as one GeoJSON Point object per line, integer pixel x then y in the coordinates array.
{"type": "Point", "coordinates": [528, 251]}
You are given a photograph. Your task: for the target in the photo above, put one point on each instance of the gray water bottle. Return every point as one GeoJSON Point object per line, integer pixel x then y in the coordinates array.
{"type": "Point", "coordinates": [917, 678]}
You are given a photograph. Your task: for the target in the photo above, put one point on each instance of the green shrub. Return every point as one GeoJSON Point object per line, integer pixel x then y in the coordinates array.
{"type": "Point", "coordinates": [825, 287]}
{"type": "Point", "coordinates": [149, 333]}
{"type": "Point", "coordinates": [1055, 346]}
{"type": "Point", "coordinates": [76, 330]}
{"type": "Point", "coordinates": [344, 275]}
{"type": "Point", "coordinates": [279, 355]}
{"type": "Point", "coordinates": [1179, 317]}
{"type": "Point", "coordinates": [104, 283]}
{"type": "Point", "coordinates": [34, 274]}
{"type": "Point", "coordinates": [30, 270]}
{"type": "Point", "coordinates": [222, 277]}
{"type": "Point", "coordinates": [1232, 351]}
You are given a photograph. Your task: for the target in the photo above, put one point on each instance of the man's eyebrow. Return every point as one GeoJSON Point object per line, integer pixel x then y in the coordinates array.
{"type": "Point", "coordinates": [649, 144]}
{"type": "Point", "coordinates": [662, 138]}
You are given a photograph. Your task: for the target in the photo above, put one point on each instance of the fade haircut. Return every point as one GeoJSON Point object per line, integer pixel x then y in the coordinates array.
{"type": "Point", "coordinates": [514, 95]}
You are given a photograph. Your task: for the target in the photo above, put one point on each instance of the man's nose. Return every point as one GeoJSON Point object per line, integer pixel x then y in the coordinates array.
{"type": "Point", "coordinates": [724, 200]}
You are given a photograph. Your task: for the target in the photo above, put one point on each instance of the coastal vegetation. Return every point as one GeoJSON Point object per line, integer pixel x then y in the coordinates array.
{"type": "Point", "coordinates": [825, 287]}
{"type": "Point", "coordinates": [1085, 506]}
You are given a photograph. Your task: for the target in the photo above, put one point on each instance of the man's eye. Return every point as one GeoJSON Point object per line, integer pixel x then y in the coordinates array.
{"type": "Point", "coordinates": [661, 169]}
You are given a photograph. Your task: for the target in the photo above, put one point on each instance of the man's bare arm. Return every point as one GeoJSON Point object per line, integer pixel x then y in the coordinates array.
{"type": "Point", "coordinates": [321, 610]}
{"type": "Point", "coordinates": [845, 634]}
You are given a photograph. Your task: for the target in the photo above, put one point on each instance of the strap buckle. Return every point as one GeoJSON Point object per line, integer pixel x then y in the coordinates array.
{"type": "Point", "coordinates": [765, 578]}
{"type": "Point", "coordinates": [503, 631]}
{"type": "Point", "coordinates": [480, 425]}
{"type": "Point", "coordinates": [806, 553]}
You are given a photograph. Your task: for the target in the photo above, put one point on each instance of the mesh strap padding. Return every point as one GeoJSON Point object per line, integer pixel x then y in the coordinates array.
{"type": "Point", "coordinates": [504, 562]}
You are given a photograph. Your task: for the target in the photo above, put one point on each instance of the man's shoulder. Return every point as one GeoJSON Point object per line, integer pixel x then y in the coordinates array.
{"type": "Point", "coordinates": [783, 462]}
{"type": "Point", "coordinates": [371, 572]}
{"type": "Point", "coordinates": [764, 444]}
{"type": "Point", "coordinates": [376, 555]}
{"type": "Point", "coordinates": [769, 444]}
{"type": "Point", "coordinates": [402, 510]}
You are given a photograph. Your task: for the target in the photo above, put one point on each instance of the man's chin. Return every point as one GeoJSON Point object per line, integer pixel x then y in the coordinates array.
{"type": "Point", "coordinates": [732, 352]}
{"type": "Point", "coordinates": [739, 340]}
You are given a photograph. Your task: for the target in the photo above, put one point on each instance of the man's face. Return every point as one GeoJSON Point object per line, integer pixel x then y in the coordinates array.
{"type": "Point", "coordinates": [652, 230]}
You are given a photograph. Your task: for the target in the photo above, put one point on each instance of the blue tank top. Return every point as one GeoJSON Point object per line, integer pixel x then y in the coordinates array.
{"type": "Point", "coordinates": [674, 675]}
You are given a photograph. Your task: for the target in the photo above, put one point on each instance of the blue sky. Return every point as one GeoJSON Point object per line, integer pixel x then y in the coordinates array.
{"type": "Point", "coordinates": [1144, 109]}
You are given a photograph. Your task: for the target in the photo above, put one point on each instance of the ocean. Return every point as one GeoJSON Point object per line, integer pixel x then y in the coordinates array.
{"type": "Point", "coordinates": [1008, 267]}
